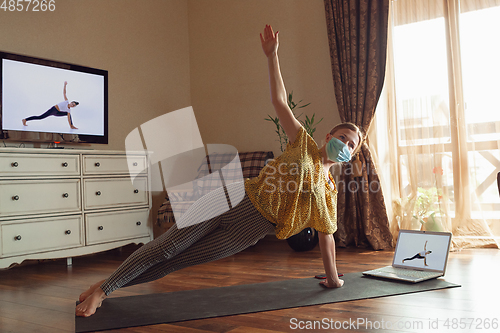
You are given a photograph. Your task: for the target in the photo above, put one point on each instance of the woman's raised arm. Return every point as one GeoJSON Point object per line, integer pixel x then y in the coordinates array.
{"type": "Point", "coordinates": [278, 92]}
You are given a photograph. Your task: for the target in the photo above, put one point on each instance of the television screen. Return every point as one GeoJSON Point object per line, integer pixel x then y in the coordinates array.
{"type": "Point", "coordinates": [43, 96]}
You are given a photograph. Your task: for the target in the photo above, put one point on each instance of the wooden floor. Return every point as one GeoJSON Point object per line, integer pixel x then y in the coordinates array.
{"type": "Point", "coordinates": [40, 297]}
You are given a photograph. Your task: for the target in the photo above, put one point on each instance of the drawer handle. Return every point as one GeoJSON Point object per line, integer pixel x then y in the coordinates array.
{"type": "Point", "coordinates": [14, 164]}
{"type": "Point", "coordinates": [65, 164]}
{"type": "Point", "coordinates": [17, 238]}
{"type": "Point", "coordinates": [138, 223]}
{"type": "Point", "coordinates": [68, 232]}
{"type": "Point", "coordinates": [97, 164]}
{"type": "Point", "coordinates": [136, 191]}
{"type": "Point", "coordinates": [135, 164]}
{"type": "Point", "coordinates": [15, 198]}
{"type": "Point", "coordinates": [100, 227]}
{"type": "Point", "coordinates": [65, 195]}
{"type": "Point", "coordinates": [98, 193]}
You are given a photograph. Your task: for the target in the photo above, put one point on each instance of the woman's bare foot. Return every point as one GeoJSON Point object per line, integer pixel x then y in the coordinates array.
{"type": "Point", "coordinates": [88, 307]}
{"type": "Point", "coordinates": [90, 291]}
{"type": "Point", "coordinates": [332, 284]}
{"type": "Point", "coordinates": [24, 122]}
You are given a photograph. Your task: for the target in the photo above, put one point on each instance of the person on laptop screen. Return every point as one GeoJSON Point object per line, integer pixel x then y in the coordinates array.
{"type": "Point", "coordinates": [421, 255]}
{"type": "Point", "coordinates": [59, 110]}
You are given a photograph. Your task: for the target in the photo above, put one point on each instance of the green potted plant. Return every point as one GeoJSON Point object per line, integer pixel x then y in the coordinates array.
{"type": "Point", "coordinates": [427, 210]}
{"type": "Point", "coordinates": [308, 123]}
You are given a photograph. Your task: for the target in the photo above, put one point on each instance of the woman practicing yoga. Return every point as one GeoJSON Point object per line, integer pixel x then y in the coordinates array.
{"type": "Point", "coordinates": [301, 194]}
{"type": "Point", "coordinates": [58, 110]}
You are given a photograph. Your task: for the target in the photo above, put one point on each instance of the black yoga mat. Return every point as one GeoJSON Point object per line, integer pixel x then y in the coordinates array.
{"type": "Point", "coordinates": [130, 311]}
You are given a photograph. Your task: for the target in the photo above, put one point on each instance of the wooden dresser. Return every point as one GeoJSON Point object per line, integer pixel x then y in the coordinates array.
{"type": "Point", "coordinates": [61, 203]}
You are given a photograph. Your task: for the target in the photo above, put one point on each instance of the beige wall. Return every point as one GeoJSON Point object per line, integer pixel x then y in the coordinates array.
{"type": "Point", "coordinates": [163, 55]}
{"type": "Point", "coordinates": [229, 80]}
{"type": "Point", "coordinates": [143, 44]}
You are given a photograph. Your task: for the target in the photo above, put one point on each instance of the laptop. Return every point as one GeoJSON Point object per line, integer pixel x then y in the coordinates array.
{"type": "Point", "coordinates": [419, 256]}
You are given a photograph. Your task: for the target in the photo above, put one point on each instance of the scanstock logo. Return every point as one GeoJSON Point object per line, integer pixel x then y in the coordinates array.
{"type": "Point", "coordinates": [183, 167]}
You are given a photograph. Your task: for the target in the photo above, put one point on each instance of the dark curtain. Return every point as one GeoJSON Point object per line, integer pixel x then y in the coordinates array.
{"type": "Point", "coordinates": [357, 34]}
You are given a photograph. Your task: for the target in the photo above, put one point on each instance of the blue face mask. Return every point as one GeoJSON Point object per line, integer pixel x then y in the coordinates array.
{"type": "Point", "coordinates": [337, 151]}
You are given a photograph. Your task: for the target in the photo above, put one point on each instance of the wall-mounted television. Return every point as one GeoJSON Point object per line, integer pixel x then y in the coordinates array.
{"type": "Point", "coordinates": [51, 101]}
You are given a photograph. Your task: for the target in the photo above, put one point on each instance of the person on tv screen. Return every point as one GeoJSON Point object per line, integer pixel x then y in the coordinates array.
{"type": "Point", "coordinates": [58, 110]}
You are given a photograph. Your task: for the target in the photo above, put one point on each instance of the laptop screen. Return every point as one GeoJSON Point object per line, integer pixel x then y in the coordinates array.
{"type": "Point", "coordinates": [422, 250]}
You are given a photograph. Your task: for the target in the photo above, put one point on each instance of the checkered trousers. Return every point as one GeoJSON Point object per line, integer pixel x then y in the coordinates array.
{"type": "Point", "coordinates": [217, 238]}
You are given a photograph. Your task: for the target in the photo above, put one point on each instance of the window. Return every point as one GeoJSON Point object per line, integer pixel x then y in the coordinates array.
{"type": "Point", "coordinates": [481, 72]}
{"type": "Point", "coordinates": [446, 86]}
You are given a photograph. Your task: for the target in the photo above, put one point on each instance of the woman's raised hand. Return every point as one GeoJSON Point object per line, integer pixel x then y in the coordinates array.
{"type": "Point", "coordinates": [269, 41]}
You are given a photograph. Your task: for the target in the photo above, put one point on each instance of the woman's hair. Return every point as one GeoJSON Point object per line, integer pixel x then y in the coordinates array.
{"type": "Point", "coordinates": [76, 103]}
{"type": "Point", "coordinates": [354, 128]}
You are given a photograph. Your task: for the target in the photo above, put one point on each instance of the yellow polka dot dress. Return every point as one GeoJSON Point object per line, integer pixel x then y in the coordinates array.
{"type": "Point", "coordinates": [292, 191]}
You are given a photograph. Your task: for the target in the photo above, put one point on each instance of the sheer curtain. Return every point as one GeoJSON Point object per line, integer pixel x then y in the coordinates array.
{"type": "Point", "coordinates": [438, 126]}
